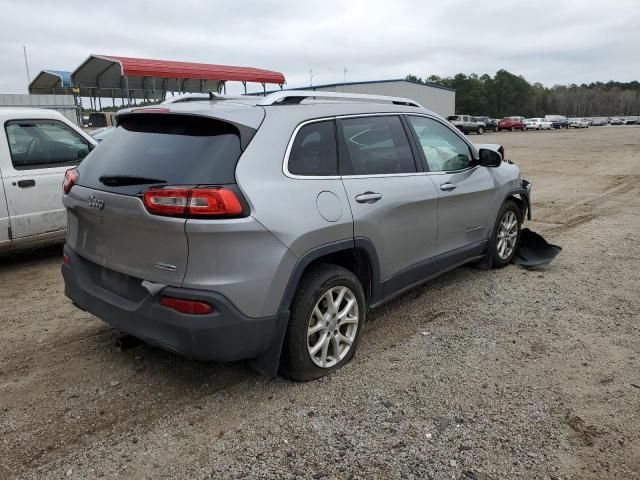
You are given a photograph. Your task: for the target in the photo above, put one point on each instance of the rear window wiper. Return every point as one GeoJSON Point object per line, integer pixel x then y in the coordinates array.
{"type": "Point", "coordinates": [123, 180]}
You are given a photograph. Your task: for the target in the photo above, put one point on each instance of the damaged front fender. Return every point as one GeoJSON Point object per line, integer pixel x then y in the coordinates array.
{"type": "Point", "coordinates": [522, 196]}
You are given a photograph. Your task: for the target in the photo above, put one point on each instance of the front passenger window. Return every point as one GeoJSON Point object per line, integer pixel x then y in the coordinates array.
{"type": "Point", "coordinates": [443, 149]}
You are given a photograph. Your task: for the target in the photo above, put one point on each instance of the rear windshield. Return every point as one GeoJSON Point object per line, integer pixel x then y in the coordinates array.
{"type": "Point", "coordinates": [157, 149]}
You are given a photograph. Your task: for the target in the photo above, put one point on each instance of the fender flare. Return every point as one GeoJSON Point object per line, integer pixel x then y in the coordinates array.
{"type": "Point", "coordinates": [267, 362]}
{"type": "Point", "coordinates": [305, 260]}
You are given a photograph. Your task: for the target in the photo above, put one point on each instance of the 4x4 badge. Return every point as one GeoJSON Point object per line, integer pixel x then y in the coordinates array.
{"type": "Point", "coordinates": [95, 202]}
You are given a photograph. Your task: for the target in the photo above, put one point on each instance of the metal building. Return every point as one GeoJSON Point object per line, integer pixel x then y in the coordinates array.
{"type": "Point", "coordinates": [438, 99]}
{"type": "Point", "coordinates": [64, 104]}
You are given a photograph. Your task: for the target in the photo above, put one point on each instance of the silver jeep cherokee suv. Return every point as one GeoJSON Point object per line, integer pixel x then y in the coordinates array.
{"type": "Point", "coordinates": [265, 228]}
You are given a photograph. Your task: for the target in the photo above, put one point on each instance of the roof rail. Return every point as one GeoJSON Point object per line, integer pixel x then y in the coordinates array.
{"type": "Point", "coordinates": [202, 97]}
{"type": "Point", "coordinates": [294, 97]}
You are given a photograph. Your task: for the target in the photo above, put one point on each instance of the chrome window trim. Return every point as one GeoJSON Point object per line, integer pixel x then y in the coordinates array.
{"type": "Point", "coordinates": [285, 163]}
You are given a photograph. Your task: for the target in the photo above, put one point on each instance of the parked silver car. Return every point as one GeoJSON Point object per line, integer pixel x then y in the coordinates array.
{"type": "Point", "coordinates": [266, 228]}
{"type": "Point", "coordinates": [467, 123]}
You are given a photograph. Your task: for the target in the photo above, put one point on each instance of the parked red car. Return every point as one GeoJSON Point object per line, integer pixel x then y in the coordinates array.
{"type": "Point", "coordinates": [511, 123]}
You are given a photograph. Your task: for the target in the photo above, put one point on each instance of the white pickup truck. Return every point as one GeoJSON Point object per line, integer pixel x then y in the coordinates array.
{"type": "Point", "coordinates": [36, 147]}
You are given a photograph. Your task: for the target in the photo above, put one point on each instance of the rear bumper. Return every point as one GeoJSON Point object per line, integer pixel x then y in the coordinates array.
{"type": "Point", "coordinates": [224, 335]}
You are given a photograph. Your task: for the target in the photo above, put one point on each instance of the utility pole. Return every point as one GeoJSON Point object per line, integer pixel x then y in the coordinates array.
{"type": "Point", "coordinates": [311, 78]}
{"type": "Point", "coordinates": [344, 86]}
{"type": "Point", "coordinates": [26, 64]}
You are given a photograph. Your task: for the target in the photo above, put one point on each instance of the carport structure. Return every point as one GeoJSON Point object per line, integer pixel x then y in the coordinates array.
{"type": "Point", "coordinates": [128, 79]}
{"type": "Point", "coordinates": [56, 82]}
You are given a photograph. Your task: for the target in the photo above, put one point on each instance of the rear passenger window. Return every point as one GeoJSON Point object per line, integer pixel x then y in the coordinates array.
{"type": "Point", "coordinates": [314, 151]}
{"type": "Point", "coordinates": [375, 146]}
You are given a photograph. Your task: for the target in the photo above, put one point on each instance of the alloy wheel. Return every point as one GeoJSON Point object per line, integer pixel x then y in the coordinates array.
{"type": "Point", "coordinates": [332, 327]}
{"type": "Point", "coordinates": [507, 235]}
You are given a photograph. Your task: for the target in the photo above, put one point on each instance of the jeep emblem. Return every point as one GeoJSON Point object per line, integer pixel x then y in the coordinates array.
{"type": "Point", "coordinates": [95, 202]}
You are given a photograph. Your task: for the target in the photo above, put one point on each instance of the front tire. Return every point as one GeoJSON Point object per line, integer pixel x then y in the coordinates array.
{"type": "Point", "coordinates": [506, 235]}
{"type": "Point", "coordinates": [327, 318]}
{"type": "Point", "coordinates": [480, 130]}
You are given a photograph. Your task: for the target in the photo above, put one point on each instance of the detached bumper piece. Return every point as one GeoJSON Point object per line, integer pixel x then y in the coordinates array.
{"type": "Point", "coordinates": [221, 334]}
{"type": "Point", "coordinates": [534, 251]}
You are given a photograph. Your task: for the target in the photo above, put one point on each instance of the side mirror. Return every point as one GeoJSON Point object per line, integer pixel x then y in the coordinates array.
{"type": "Point", "coordinates": [490, 158]}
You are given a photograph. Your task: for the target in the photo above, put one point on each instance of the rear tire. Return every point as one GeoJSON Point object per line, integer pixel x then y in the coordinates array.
{"type": "Point", "coordinates": [513, 129]}
{"type": "Point", "coordinates": [496, 129]}
{"type": "Point", "coordinates": [323, 334]}
{"type": "Point", "coordinates": [506, 235]}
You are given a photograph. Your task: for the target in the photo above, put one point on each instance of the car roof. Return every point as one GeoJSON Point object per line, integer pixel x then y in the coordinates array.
{"type": "Point", "coordinates": [8, 113]}
{"type": "Point", "coordinates": [246, 111]}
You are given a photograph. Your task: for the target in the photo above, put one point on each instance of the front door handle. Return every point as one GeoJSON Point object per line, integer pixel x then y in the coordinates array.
{"type": "Point", "coordinates": [447, 187]}
{"type": "Point", "coordinates": [368, 197]}
{"type": "Point", "coordinates": [27, 183]}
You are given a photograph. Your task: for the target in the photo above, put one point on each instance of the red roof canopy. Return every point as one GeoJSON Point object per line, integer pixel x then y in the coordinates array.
{"type": "Point", "coordinates": [107, 75]}
{"type": "Point", "coordinates": [199, 71]}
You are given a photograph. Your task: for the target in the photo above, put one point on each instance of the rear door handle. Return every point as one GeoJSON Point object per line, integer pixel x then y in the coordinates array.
{"type": "Point", "coordinates": [368, 197]}
{"type": "Point", "coordinates": [26, 183]}
{"type": "Point", "coordinates": [447, 187]}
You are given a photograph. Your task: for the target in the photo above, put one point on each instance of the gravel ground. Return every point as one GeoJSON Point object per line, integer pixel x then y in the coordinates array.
{"type": "Point", "coordinates": [496, 374]}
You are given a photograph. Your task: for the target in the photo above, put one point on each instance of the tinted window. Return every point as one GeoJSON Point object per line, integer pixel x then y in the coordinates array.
{"type": "Point", "coordinates": [314, 150]}
{"type": "Point", "coordinates": [443, 148]}
{"type": "Point", "coordinates": [44, 144]}
{"type": "Point", "coordinates": [375, 146]}
{"type": "Point", "coordinates": [173, 149]}
{"type": "Point", "coordinates": [97, 120]}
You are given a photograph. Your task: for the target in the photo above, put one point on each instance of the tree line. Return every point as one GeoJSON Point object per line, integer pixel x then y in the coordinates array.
{"type": "Point", "coordinates": [506, 94]}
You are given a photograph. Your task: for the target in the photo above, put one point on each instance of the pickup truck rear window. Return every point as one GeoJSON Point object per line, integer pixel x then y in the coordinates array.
{"type": "Point", "coordinates": [156, 149]}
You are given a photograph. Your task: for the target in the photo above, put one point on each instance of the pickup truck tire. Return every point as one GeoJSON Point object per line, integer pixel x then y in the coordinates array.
{"type": "Point", "coordinates": [480, 130]}
{"type": "Point", "coordinates": [315, 316]}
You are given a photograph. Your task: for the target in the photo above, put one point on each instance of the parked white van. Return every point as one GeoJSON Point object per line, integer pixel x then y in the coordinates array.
{"type": "Point", "coordinates": [36, 147]}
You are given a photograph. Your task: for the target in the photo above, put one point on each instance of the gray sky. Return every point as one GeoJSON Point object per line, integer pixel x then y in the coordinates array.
{"type": "Point", "coordinates": [558, 41]}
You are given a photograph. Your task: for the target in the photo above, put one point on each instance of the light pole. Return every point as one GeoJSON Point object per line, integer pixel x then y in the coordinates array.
{"type": "Point", "coordinates": [26, 64]}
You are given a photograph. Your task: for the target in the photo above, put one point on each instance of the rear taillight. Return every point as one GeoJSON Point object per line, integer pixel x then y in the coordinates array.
{"type": "Point", "coordinates": [192, 307]}
{"type": "Point", "coordinates": [70, 179]}
{"type": "Point", "coordinates": [66, 259]}
{"type": "Point", "coordinates": [167, 201]}
{"type": "Point", "coordinates": [192, 202]}
{"type": "Point", "coordinates": [214, 201]}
